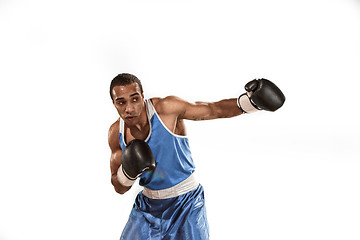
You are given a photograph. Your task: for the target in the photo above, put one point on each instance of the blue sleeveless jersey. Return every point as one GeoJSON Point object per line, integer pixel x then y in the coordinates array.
{"type": "Point", "coordinates": [171, 152]}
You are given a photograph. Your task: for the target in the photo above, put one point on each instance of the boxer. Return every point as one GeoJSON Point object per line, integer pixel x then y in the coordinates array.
{"type": "Point", "coordinates": [149, 142]}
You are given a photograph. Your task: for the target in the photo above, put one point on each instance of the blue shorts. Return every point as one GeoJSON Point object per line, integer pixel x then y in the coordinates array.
{"type": "Point", "coordinates": [178, 218]}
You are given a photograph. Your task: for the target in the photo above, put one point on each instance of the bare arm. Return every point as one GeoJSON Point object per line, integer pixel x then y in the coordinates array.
{"type": "Point", "coordinates": [115, 159]}
{"type": "Point", "coordinates": [200, 110]}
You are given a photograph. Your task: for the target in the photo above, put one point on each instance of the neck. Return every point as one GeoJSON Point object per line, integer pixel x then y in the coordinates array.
{"type": "Point", "coordinates": [143, 123]}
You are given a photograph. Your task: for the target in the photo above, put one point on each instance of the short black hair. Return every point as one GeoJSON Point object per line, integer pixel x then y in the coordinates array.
{"type": "Point", "coordinates": [124, 79]}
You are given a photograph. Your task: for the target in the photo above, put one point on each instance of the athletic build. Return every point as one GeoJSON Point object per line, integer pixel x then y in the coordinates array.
{"type": "Point", "coordinates": [168, 207]}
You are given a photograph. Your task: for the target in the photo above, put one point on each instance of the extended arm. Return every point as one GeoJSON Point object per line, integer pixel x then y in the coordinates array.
{"type": "Point", "coordinates": [261, 95]}
{"type": "Point", "coordinates": [210, 110]}
{"type": "Point", "coordinates": [172, 107]}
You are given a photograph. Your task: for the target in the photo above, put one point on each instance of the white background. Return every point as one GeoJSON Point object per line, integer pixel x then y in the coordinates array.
{"type": "Point", "coordinates": [293, 174]}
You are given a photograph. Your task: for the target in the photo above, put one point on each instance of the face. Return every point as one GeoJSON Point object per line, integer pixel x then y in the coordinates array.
{"type": "Point", "coordinates": [129, 102]}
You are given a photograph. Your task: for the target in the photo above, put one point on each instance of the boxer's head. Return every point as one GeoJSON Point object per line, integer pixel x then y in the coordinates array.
{"type": "Point", "coordinates": [127, 95]}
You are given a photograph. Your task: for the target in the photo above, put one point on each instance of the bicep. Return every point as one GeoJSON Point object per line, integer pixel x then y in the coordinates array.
{"type": "Point", "coordinates": [115, 161]}
{"type": "Point", "coordinates": [116, 152]}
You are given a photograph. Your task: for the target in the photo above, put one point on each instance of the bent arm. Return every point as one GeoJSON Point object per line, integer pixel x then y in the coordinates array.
{"type": "Point", "coordinates": [115, 159]}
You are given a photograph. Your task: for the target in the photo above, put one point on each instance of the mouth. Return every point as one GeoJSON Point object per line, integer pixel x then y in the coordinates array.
{"type": "Point", "coordinates": [130, 118]}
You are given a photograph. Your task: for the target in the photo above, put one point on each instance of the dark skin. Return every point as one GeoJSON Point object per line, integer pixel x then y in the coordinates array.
{"type": "Point", "coordinates": [129, 102]}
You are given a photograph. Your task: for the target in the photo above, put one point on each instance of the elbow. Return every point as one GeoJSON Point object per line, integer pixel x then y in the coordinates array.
{"type": "Point", "coordinates": [118, 187]}
{"type": "Point", "coordinates": [120, 191]}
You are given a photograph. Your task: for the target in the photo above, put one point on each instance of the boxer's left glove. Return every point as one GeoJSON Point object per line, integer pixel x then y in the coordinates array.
{"type": "Point", "coordinates": [136, 159]}
{"type": "Point", "coordinates": [261, 94]}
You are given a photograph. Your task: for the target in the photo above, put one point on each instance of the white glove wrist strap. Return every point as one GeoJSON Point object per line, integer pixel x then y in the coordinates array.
{"type": "Point", "coordinates": [245, 104]}
{"type": "Point", "coordinates": [123, 179]}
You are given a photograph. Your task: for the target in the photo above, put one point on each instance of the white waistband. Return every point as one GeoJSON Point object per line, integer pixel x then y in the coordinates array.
{"type": "Point", "coordinates": [183, 187]}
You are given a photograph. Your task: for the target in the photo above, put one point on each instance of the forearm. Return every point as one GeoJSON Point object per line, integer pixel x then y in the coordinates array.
{"type": "Point", "coordinates": [226, 108]}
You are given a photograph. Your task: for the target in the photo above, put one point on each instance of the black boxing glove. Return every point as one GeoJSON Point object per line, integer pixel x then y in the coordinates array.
{"type": "Point", "coordinates": [136, 159]}
{"type": "Point", "coordinates": [261, 94]}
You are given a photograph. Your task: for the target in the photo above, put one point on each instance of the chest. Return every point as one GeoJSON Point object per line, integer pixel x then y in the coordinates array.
{"type": "Point", "coordinates": [173, 125]}
{"type": "Point", "coordinates": [133, 133]}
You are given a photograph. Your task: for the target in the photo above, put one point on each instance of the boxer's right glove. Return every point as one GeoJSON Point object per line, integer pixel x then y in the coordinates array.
{"type": "Point", "coordinates": [261, 94]}
{"type": "Point", "coordinates": [136, 159]}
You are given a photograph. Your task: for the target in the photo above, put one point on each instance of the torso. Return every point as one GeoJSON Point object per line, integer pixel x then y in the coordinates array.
{"type": "Point", "coordinates": [171, 151]}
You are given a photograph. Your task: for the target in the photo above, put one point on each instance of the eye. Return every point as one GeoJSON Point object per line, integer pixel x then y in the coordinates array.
{"type": "Point", "coordinates": [135, 99]}
{"type": "Point", "coordinates": [120, 102]}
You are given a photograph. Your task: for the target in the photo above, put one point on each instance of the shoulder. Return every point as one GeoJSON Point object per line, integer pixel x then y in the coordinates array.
{"type": "Point", "coordinates": [113, 135]}
{"type": "Point", "coordinates": [165, 101]}
{"type": "Point", "coordinates": [169, 104]}
{"type": "Point", "coordinates": [115, 126]}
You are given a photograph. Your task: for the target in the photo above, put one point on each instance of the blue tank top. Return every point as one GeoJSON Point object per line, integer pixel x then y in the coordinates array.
{"type": "Point", "coordinates": [171, 152]}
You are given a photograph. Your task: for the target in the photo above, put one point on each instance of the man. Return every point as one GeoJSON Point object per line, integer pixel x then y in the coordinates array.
{"type": "Point", "coordinates": [149, 141]}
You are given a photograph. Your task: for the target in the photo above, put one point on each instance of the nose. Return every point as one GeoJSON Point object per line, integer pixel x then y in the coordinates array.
{"type": "Point", "coordinates": [129, 108]}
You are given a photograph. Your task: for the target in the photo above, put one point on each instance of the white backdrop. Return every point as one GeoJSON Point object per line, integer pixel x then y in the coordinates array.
{"type": "Point", "coordinates": [293, 174]}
